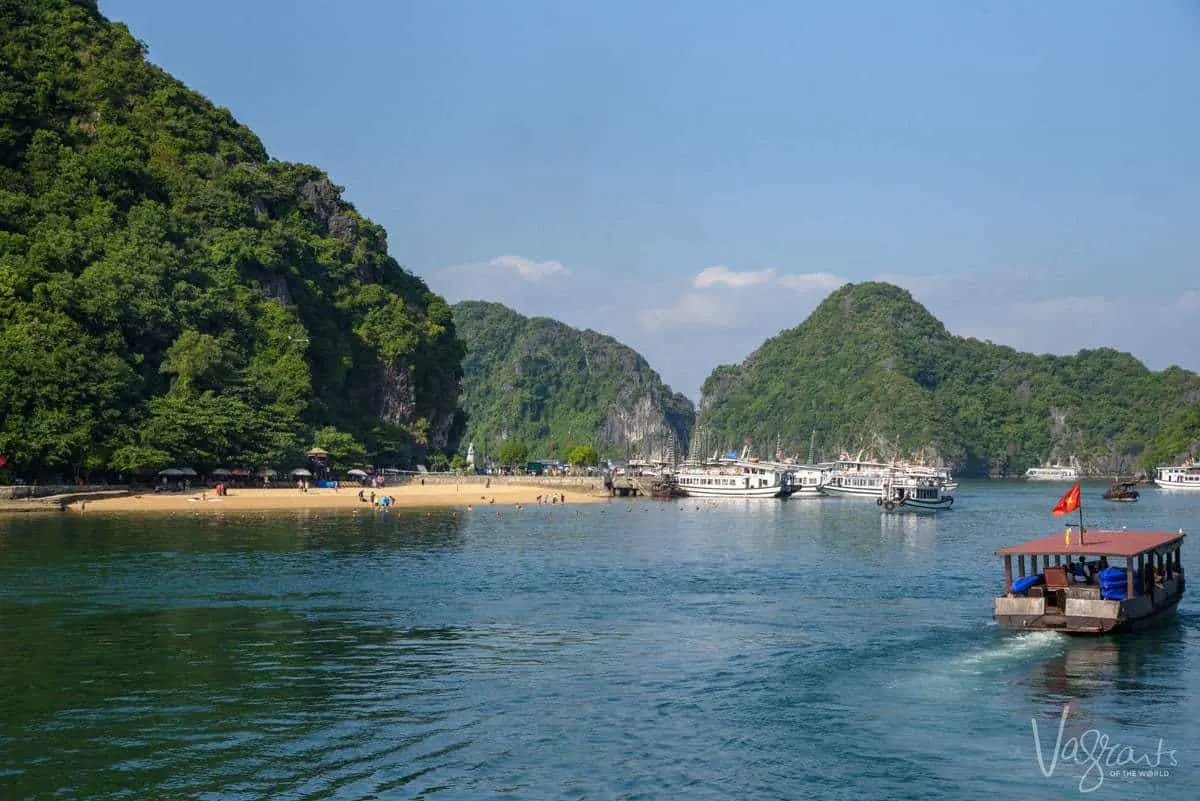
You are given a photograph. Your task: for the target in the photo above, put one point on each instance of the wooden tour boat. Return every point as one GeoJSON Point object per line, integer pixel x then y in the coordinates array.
{"type": "Point", "coordinates": [1122, 492]}
{"type": "Point", "coordinates": [1075, 591]}
{"type": "Point", "coordinates": [665, 488]}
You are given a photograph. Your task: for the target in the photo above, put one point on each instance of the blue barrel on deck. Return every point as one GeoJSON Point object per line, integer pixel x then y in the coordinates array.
{"type": "Point", "coordinates": [1113, 584]}
{"type": "Point", "coordinates": [1112, 575]}
{"type": "Point", "coordinates": [1025, 582]}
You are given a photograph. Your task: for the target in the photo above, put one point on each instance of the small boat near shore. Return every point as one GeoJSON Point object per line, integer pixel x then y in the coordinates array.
{"type": "Point", "coordinates": [666, 488]}
{"type": "Point", "coordinates": [1076, 591]}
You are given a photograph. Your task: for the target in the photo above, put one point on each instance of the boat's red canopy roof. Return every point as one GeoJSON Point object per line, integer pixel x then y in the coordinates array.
{"type": "Point", "coordinates": [1097, 543]}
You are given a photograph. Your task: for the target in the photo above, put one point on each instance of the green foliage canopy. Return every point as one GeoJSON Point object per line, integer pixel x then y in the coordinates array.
{"type": "Point", "coordinates": [170, 294]}
{"type": "Point", "coordinates": [344, 451]}
{"type": "Point", "coordinates": [514, 454]}
{"type": "Point", "coordinates": [1178, 439]}
{"type": "Point", "coordinates": [583, 455]}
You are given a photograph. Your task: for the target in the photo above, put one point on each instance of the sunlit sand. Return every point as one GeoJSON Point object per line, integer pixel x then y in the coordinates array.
{"type": "Point", "coordinates": [407, 496]}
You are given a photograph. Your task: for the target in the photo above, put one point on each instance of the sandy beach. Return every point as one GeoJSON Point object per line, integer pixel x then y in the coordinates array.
{"type": "Point", "coordinates": [411, 496]}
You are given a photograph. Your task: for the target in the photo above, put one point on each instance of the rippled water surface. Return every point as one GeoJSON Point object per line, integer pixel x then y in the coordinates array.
{"type": "Point", "coordinates": [629, 650]}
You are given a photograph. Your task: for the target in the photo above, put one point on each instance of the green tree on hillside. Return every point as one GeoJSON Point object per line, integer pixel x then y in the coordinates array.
{"type": "Point", "coordinates": [583, 455]}
{"type": "Point", "coordinates": [513, 454]}
{"type": "Point", "coordinates": [345, 452]}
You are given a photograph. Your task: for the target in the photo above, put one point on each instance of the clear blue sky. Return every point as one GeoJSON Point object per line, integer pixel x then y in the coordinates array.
{"type": "Point", "coordinates": [693, 177]}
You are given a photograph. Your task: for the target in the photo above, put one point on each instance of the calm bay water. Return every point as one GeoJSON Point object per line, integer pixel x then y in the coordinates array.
{"type": "Point", "coordinates": [627, 650]}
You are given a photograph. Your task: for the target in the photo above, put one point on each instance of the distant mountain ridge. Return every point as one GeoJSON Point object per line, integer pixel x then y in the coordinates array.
{"type": "Point", "coordinates": [551, 386]}
{"type": "Point", "coordinates": [872, 369]}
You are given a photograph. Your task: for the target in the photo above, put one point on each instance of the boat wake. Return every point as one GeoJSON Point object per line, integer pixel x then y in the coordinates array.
{"type": "Point", "coordinates": [1015, 648]}
{"type": "Point", "coordinates": [978, 668]}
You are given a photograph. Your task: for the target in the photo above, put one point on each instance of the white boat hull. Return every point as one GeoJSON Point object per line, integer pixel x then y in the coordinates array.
{"type": "Point", "coordinates": [1190, 486]}
{"type": "Point", "coordinates": [734, 478]}
{"type": "Point", "coordinates": [852, 492]}
{"type": "Point", "coordinates": [914, 505]}
{"type": "Point", "coordinates": [1052, 474]}
{"type": "Point", "coordinates": [737, 492]}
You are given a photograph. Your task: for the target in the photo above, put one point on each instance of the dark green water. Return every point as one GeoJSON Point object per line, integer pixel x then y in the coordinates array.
{"type": "Point", "coordinates": [736, 650]}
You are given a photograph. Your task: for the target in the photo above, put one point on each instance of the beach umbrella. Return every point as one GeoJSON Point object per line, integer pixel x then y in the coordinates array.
{"type": "Point", "coordinates": [300, 471]}
{"type": "Point", "coordinates": [221, 471]}
{"type": "Point", "coordinates": [268, 472]}
{"type": "Point", "coordinates": [357, 472]}
{"type": "Point", "coordinates": [186, 471]}
{"type": "Point", "coordinates": [171, 471]}
{"type": "Point", "coordinates": [239, 471]}
{"type": "Point", "coordinates": [317, 452]}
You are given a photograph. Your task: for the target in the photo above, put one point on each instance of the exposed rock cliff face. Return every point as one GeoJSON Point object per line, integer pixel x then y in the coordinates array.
{"type": "Point", "coordinates": [326, 200]}
{"type": "Point", "coordinates": [649, 427]}
{"type": "Point", "coordinates": [553, 387]}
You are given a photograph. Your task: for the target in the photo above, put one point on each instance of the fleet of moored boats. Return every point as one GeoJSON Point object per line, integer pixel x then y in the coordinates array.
{"type": "Point", "coordinates": [895, 486]}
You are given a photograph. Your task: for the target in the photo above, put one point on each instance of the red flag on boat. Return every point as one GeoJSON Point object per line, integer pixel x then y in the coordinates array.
{"type": "Point", "coordinates": [1067, 503]}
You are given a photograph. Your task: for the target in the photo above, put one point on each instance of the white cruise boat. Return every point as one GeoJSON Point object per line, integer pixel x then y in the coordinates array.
{"type": "Point", "coordinates": [807, 479]}
{"type": "Point", "coordinates": [1055, 473]}
{"type": "Point", "coordinates": [733, 478]}
{"type": "Point", "coordinates": [905, 492]}
{"type": "Point", "coordinates": [940, 474]}
{"type": "Point", "coordinates": [1183, 477]}
{"type": "Point", "coordinates": [853, 478]}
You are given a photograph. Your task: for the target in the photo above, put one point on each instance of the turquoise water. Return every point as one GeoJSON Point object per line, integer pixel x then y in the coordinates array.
{"type": "Point", "coordinates": [732, 650]}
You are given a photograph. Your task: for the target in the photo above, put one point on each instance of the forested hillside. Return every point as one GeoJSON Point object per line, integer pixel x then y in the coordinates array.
{"type": "Point", "coordinates": [1179, 439]}
{"type": "Point", "coordinates": [871, 368]}
{"type": "Point", "coordinates": [551, 387]}
{"type": "Point", "coordinates": [170, 294]}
